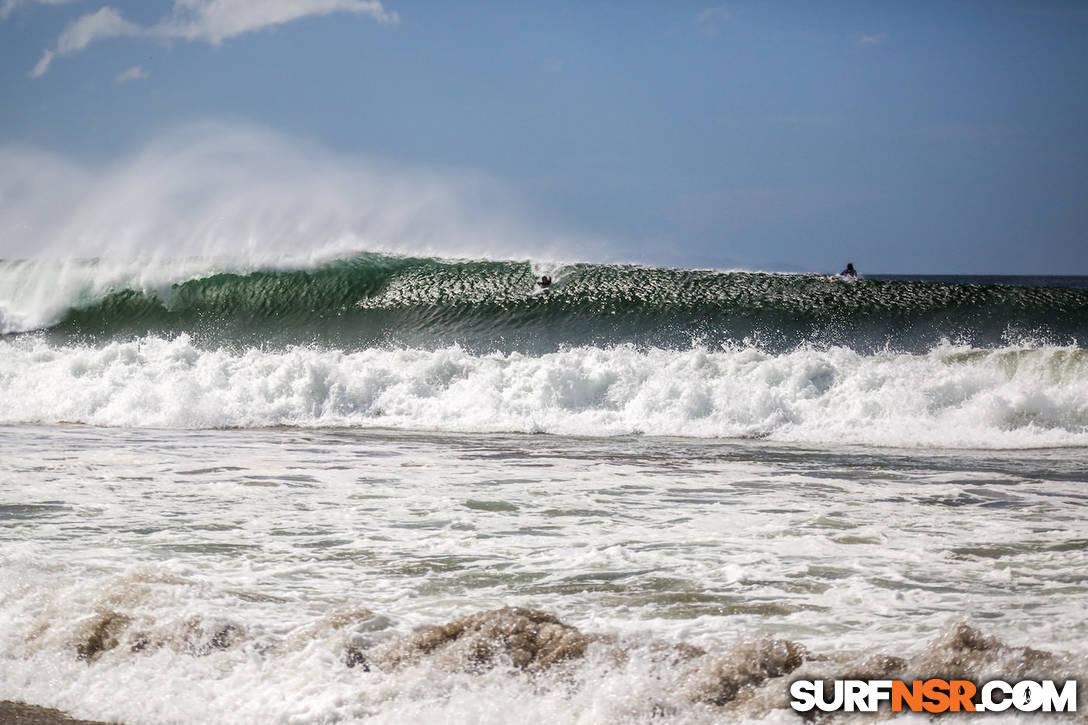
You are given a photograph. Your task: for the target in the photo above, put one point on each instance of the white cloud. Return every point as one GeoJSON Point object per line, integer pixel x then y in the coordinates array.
{"type": "Point", "coordinates": [135, 73]}
{"type": "Point", "coordinates": [212, 21]}
{"type": "Point", "coordinates": [42, 65]}
{"type": "Point", "coordinates": [871, 40]}
{"type": "Point", "coordinates": [7, 7]}
{"type": "Point", "coordinates": [710, 18]}
{"type": "Point", "coordinates": [106, 23]}
{"type": "Point", "coordinates": [216, 20]}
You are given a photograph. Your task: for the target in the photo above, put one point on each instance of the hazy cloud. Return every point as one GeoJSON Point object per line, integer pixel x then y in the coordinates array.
{"type": "Point", "coordinates": [135, 73]}
{"type": "Point", "coordinates": [212, 21]}
{"type": "Point", "coordinates": [216, 20]}
{"type": "Point", "coordinates": [711, 18]}
{"type": "Point", "coordinates": [871, 40]}
{"type": "Point", "coordinates": [43, 64]}
{"type": "Point", "coordinates": [105, 23]}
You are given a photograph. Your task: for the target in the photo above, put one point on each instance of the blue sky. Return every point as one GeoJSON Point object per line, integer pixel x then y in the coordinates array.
{"type": "Point", "coordinates": [920, 137]}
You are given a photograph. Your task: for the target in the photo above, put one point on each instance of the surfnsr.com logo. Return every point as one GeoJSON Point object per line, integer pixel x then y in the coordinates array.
{"type": "Point", "coordinates": [934, 695]}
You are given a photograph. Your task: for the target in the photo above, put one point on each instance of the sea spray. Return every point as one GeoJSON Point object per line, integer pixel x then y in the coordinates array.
{"type": "Point", "coordinates": [207, 189]}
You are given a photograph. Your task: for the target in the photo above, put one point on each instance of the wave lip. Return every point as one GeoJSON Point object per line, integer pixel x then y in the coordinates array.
{"type": "Point", "coordinates": [950, 397]}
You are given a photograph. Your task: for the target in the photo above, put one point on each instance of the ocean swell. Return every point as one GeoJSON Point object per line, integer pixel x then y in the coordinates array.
{"type": "Point", "coordinates": [366, 300]}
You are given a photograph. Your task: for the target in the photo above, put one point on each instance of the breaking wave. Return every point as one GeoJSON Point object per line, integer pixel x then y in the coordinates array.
{"type": "Point", "coordinates": [952, 396]}
{"type": "Point", "coordinates": [370, 299]}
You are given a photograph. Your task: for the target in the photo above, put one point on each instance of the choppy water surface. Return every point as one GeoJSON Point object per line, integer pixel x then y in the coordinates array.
{"type": "Point", "coordinates": [222, 575]}
{"type": "Point", "coordinates": [368, 300]}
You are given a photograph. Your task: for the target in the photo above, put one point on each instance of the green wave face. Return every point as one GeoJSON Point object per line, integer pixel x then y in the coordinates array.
{"type": "Point", "coordinates": [372, 299]}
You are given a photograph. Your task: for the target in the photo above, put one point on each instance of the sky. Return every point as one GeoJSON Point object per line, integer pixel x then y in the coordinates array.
{"type": "Point", "coordinates": [921, 137]}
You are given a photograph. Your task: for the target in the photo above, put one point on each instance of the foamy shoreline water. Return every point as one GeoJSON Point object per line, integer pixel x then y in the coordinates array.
{"type": "Point", "coordinates": [158, 576]}
{"type": "Point", "coordinates": [535, 653]}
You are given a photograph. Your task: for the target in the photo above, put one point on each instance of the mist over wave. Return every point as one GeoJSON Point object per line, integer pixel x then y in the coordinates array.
{"type": "Point", "coordinates": [245, 192]}
{"type": "Point", "coordinates": [215, 279]}
{"type": "Point", "coordinates": [953, 397]}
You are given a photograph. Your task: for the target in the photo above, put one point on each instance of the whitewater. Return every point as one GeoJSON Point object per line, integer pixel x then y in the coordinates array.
{"type": "Point", "coordinates": [373, 487]}
{"type": "Point", "coordinates": [950, 397]}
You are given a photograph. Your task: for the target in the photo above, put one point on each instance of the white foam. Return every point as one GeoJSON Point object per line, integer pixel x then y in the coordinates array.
{"type": "Point", "coordinates": [951, 397]}
{"type": "Point", "coordinates": [269, 536]}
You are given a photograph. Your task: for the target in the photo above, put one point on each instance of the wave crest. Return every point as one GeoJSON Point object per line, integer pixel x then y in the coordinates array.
{"type": "Point", "coordinates": [372, 299]}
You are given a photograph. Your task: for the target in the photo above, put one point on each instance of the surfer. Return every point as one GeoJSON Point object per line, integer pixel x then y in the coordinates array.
{"type": "Point", "coordinates": [849, 271]}
{"type": "Point", "coordinates": [545, 282]}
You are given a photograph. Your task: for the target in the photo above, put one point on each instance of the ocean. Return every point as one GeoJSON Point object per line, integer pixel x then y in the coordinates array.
{"type": "Point", "coordinates": [390, 489]}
